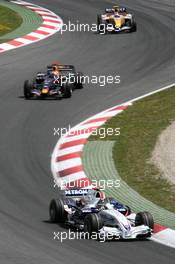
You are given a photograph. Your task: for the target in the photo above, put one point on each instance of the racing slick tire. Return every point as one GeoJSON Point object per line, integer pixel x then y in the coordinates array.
{"type": "Point", "coordinates": [92, 224]}
{"type": "Point", "coordinates": [134, 27]}
{"type": "Point", "coordinates": [67, 90]}
{"type": "Point", "coordinates": [79, 84]}
{"type": "Point", "coordinates": [57, 212]}
{"type": "Point", "coordinates": [100, 22]}
{"type": "Point", "coordinates": [144, 218]}
{"type": "Point", "coordinates": [27, 89]}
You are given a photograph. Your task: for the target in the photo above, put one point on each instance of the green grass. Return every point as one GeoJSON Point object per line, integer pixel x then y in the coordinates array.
{"type": "Point", "coordinates": [9, 20]}
{"type": "Point", "coordinates": [4, 40]}
{"type": "Point", "coordinates": [141, 124]}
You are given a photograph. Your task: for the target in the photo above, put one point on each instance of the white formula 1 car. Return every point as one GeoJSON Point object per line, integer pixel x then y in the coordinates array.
{"type": "Point", "coordinates": [87, 211]}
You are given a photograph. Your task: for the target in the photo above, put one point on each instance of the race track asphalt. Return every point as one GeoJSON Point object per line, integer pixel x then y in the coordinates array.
{"type": "Point", "coordinates": [145, 61]}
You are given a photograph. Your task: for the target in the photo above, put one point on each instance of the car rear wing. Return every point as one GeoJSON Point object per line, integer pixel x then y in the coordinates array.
{"type": "Point", "coordinates": [66, 67]}
{"type": "Point", "coordinates": [62, 67]}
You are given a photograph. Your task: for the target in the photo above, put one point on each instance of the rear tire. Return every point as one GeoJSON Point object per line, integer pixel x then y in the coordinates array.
{"type": "Point", "coordinates": [57, 212]}
{"type": "Point", "coordinates": [144, 218]}
{"type": "Point", "coordinates": [92, 224]}
{"type": "Point", "coordinates": [27, 89]}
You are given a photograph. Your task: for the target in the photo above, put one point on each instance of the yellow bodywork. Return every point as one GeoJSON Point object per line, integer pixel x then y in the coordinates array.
{"type": "Point", "coordinates": [119, 22]}
{"type": "Point", "coordinates": [44, 91]}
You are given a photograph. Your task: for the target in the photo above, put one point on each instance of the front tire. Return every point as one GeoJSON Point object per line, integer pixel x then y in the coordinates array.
{"type": "Point", "coordinates": [99, 23]}
{"type": "Point", "coordinates": [27, 89]}
{"type": "Point", "coordinates": [67, 90]}
{"type": "Point", "coordinates": [80, 80]}
{"type": "Point", "coordinates": [144, 218]}
{"type": "Point", "coordinates": [134, 27]}
{"type": "Point", "coordinates": [92, 224]}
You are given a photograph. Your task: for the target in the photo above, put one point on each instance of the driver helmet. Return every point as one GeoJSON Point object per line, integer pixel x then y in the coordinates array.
{"type": "Point", "coordinates": [116, 8]}
{"type": "Point", "coordinates": [55, 70]}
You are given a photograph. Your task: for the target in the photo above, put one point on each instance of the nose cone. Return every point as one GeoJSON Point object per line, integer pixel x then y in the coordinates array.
{"type": "Point", "coordinates": [45, 90]}
{"type": "Point", "coordinates": [118, 22]}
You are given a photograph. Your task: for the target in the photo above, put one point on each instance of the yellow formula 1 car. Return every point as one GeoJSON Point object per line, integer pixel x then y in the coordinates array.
{"type": "Point", "coordinates": [116, 19]}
